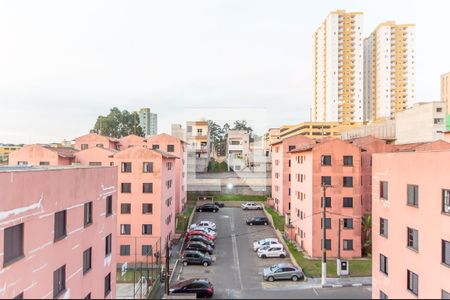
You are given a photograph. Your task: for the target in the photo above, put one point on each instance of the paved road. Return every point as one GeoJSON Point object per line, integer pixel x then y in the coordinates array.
{"type": "Point", "coordinates": [237, 272]}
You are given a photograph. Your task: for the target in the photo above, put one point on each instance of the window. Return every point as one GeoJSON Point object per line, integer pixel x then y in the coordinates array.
{"type": "Point", "coordinates": [413, 282]}
{"type": "Point", "coordinates": [125, 208]}
{"type": "Point", "coordinates": [348, 161]}
{"type": "Point", "coordinates": [125, 229]}
{"type": "Point", "coordinates": [147, 208]}
{"type": "Point", "coordinates": [348, 244]}
{"type": "Point", "coordinates": [413, 195]}
{"type": "Point", "coordinates": [155, 147]}
{"type": "Point", "coordinates": [60, 225]}
{"type": "Point", "coordinates": [44, 163]}
{"type": "Point", "coordinates": [348, 202]}
{"type": "Point", "coordinates": [384, 223]}
{"type": "Point", "coordinates": [108, 245]}
{"type": "Point", "coordinates": [99, 145]}
{"type": "Point", "coordinates": [170, 148]}
{"type": "Point", "coordinates": [126, 187]}
{"type": "Point", "coordinates": [384, 190]}
{"type": "Point", "coordinates": [109, 205]}
{"type": "Point", "coordinates": [95, 163]}
{"type": "Point", "coordinates": [107, 284]}
{"type": "Point", "coordinates": [383, 295]}
{"type": "Point", "coordinates": [199, 132]}
{"type": "Point", "coordinates": [327, 244]}
{"type": "Point", "coordinates": [147, 187]}
{"type": "Point", "coordinates": [125, 250]}
{"type": "Point", "coordinates": [169, 165]}
{"type": "Point", "coordinates": [438, 121]}
{"type": "Point", "coordinates": [87, 214]}
{"type": "Point", "coordinates": [87, 260]}
{"type": "Point", "coordinates": [126, 167]}
{"type": "Point", "coordinates": [291, 147]}
{"type": "Point", "coordinates": [348, 223]}
{"type": "Point", "coordinates": [383, 264]}
{"type": "Point", "coordinates": [348, 181]}
{"type": "Point", "coordinates": [13, 244]}
{"type": "Point", "coordinates": [413, 239]}
{"type": "Point", "coordinates": [146, 250]}
{"type": "Point", "coordinates": [146, 229]}
{"type": "Point", "coordinates": [147, 167]}
{"type": "Point", "coordinates": [59, 281]}
{"type": "Point", "coordinates": [327, 202]}
{"type": "Point", "coordinates": [446, 252]}
{"type": "Point", "coordinates": [327, 223]}
{"type": "Point", "coordinates": [446, 201]}
{"type": "Point", "coordinates": [445, 295]}
{"type": "Point", "coordinates": [22, 163]}
{"type": "Point", "coordinates": [84, 146]}
{"type": "Point", "coordinates": [326, 180]}
{"type": "Point", "coordinates": [439, 109]}
{"type": "Point", "coordinates": [326, 160]}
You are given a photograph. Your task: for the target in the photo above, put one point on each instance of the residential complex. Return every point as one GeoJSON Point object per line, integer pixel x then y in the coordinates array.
{"type": "Point", "coordinates": [148, 122]}
{"type": "Point", "coordinates": [389, 75]}
{"type": "Point", "coordinates": [58, 234]}
{"type": "Point", "coordinates": [445, 95]}
{"type": "Point", "coordinates": [199, 149]}
{"type": "Point", "coordinates": [238, 149]}
{"type": "Point", "coordinates": [411, 224]}
{"type": "Point", "coordinates": [338, 69]}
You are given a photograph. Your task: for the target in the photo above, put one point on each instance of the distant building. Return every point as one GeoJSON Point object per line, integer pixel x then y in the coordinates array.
{"type": "Point", "coordinates": [238, 149]}
{"type": "Point", "coordinates": [5, 150]}
{"type": "Point", "coordinates": [314, 130]}
{"type": "Point", "coordinates": [199, 149]}
{"type": "Point", "coordinates": [445, 95]}
{"type": "Point", "coordinates": [148, 122]}
{"type": "Point", "coordinates": [58, 232]}
{"type": "Point", "coordinates": [178, 132]}
{"type": "Point", "coordinates": [42, 155]}
{"type": "Point", "coordinates": [271, 136]}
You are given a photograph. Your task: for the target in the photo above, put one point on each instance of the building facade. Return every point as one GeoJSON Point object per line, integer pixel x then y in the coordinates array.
{"type": "Point", "coordinates": [315, 130]}
{"type": "Point", "coordinates": [92, 140]}
{"type": "Point", "coordinates": [445, 95]}
{"type": "Point", "coordinates": [238, 150]}
{"type": "Point", "coordinates": [5, 150]}
{"type": "Point", "coordinates": [178, 131]}
{"type": "Point", "coordinates": [57, 235]}
{"type": "Point", "coordinates": [148, 122]}
{"type": "Point", "coordinates": [199, 149]}
{"type": "Point", "coordinates": [338, 69]}
{"type": "Point", "coordinates": [37, 155]}
{"type": "Point", "coordinates": [411, 225]}
{"type": "Point", "coordinates": [389, 75]}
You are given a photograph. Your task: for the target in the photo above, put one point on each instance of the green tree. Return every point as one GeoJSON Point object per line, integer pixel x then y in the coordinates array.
{"type": "Point", "coordinates": [367, 235]}
{"type": "Point", "coordinates": [118, 124]}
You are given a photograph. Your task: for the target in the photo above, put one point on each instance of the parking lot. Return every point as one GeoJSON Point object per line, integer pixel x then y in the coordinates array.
{"type": "Point", "coordinates": [237, 267]}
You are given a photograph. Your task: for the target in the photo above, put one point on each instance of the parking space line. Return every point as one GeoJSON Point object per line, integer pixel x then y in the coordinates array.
{"type": "Point", "coordinates": [317, 294]}
{"type": "Point", "coordinates": [235, 251]}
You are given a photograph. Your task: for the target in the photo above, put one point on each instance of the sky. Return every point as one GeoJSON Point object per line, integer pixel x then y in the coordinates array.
{"type": "Point", "coordinates": [63, 63]}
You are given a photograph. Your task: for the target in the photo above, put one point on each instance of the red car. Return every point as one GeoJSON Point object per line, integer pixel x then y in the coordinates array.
{"type": "Point", "coordinates": [199, 232]}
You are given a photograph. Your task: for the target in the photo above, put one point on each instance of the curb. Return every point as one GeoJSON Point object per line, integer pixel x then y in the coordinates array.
{"type": "Point", "coordinates": [346, 285]}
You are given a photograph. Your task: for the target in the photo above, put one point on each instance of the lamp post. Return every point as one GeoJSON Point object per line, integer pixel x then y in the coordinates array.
{"type": "Point", "coordinates": [324, 234]}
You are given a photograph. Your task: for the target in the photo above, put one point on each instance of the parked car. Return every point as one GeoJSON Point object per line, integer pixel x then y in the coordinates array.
{"type": "Point", "coordinates": [200, 238]}
{"type": "Point", "coordinates": [203, 288]}
{"type": "Point", "coordinates": [257, 221]}
{"type": "Point", "coordinates": [283, 271]}
{"type": "Point", "coordinates": [199, 246]}
{"type": "Point", "coordinates": [196, 257]}
{"type": "Point", "coordinates": [206, 224]}
{"type": "Point", "coordinates": [276, 250]}
{"type": "Point", "coordinates": [200, 232]}
{"type": "Point", "coordinates": [205, 230]}
{"type": "Point", "coordinates": [264, 242]}
{"type": "Point", "coordinates": [250, 205]}
{"type": "Point", "coordinates": [219, 204]}
{"type": "Point", "coordinates": [211, 207]}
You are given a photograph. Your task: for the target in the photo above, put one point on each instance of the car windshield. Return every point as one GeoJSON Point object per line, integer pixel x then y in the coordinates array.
{"type": "Point", "coordinates": [273, 268]}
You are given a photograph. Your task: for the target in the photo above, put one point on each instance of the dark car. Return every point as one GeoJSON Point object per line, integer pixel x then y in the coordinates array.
{"type": "Point", "coordinates": [207, 207]}
{"type": "Point", "coordinates": [219, 204]}
{"type": "Point", "coordinates": [258, 221]}
{"type": "Point", "coordinates": [199, 246]}
{"type": "Point", "coordinates": [201, 287]}
{"type": "Point", "coordinates": [200, 238]}
{"type": "Point", "coordinates": [196, 257]}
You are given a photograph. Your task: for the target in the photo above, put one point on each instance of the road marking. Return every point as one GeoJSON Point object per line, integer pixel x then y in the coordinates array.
{"type": "Point", "coordinates": [317, 294]}
{"type": "Point", "coordinates": [235, 252]}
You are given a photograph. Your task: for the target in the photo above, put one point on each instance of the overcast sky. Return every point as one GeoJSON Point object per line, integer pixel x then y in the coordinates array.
{"type": "Point", "coordinates": [65, 62]}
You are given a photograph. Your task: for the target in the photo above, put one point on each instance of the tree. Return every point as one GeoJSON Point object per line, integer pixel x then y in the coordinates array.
{"type": "Point", "coordinates": [118, 124]}
{"type": "Point", "coordinates": [367, 235]}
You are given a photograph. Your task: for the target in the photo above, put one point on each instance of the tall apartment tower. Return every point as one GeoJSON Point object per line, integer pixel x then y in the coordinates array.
{"type": "Point", "coordinates": [388, 70]}
{"type": "Point", "coordinates": [338, 69]}
{"type": "Point", "coordinates": [148, 122]}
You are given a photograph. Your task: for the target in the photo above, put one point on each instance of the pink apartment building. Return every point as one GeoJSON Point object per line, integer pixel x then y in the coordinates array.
{"type": "Point", "coordinates": [92, 140]}
{"type": "Point", "coordinates": [95, 157]}
{"type": "Point", "coordinates": [35, 155]}
{"type": "Point", "coordinates": [131, 140]}
{"type": "Point", "coordinates": [281, 171]}
{"type": "Point", "coordinates": [411, 224]}
{"type": "Point", "coordinates": [331, 162]}
{"type": "Point", "coordinates": [146, 201]}
{"type": "Point", "coordinates": [57, 232]}
{"type": "Point", "coordinates": [177, 147]}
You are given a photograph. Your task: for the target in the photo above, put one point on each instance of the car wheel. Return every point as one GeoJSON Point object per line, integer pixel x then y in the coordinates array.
{"type": "Point", "coordinates": [282, 255]}
{"type": "Point", "coordinates": [251, 224]}
{"type": "Point", "coordinates": [271, 279]}
{"type": "Point", "coordinates": [205, 264]}
{"type": "Point", "coordinates": [294, 278]}
{"type": "Point", "coordinates": [185, 263]}
{"type": "Point", "coordinates": [265, 223]}
{"type": "Point", "coordinates": [200, 210]}
{"type": "Point", "coordinates": [263, 256]}
{"type": "Point", "coordinates": [215, 210]}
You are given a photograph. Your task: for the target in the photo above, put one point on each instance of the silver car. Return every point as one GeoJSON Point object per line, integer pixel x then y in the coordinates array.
{"type": "Point", "coordinates": [283, 271]}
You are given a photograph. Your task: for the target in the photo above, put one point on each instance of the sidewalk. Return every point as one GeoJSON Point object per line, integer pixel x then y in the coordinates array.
{"type": "Point", "coordinates": [343, 281]}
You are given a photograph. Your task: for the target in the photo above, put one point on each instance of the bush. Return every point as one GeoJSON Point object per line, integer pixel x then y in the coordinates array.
{"type": "Point", "coordinates": [215, 166]}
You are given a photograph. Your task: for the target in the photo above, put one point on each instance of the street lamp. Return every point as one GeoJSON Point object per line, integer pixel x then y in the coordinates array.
{"type": "Point", "coordinates": [324, 234]}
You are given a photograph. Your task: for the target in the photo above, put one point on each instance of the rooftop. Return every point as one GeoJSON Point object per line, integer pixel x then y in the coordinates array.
{"type": "Point", "coordinates": [8, 169]}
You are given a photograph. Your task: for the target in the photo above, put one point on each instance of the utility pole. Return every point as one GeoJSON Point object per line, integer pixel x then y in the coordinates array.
{"type": "Point", "coordinates": [167, 267]}
{"type": "Point", "coordinates": [338, 262]}
{"type": "Point", "coordinates": [324, 236]}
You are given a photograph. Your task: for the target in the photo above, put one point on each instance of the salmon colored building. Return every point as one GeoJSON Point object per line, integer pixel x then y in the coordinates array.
{"type": "Point", "coordinates": [35, 155]}
{"type": "Point", "coordinates": [281, 171]}
{"type": "Point", "coordinates": [57, 232]}
{"type": "Point", "coordinates": [146, 203]}
{"type": "Point", "coordinates": [176, 147]}
{"type": "Point", "coordinates": [335, 163]}
{"type": "Point", "coordinates": [411, 224]}
{"type": "Point", "coordinates": [131, 141]}
{"type": "Point", "coordinates": [95, 157]}
{"type": "Point", "coordinates": [92, 140]}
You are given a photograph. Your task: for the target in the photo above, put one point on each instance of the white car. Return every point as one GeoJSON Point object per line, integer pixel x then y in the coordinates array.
{"type": "Point", "coordinates": [205, 224]}
{"type": "Point", "coordinates": [264, 242]}
{"type": "Point", "coordinates": [251, 205]}
{"type": "Point", "coordinates": [276, 250]}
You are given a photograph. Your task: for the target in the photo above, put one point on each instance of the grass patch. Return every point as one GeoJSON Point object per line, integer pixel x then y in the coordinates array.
{"type": "Point", "coordinates": [229, 197]}
{"type": "Point", "coordinates": [313, 267]}
{"type": "Point", "coordinates": [277, 219]}
{"type": "Point", "coordinates": [129, 276]}
{"type": "Point", "coordinates": [183, 219]}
